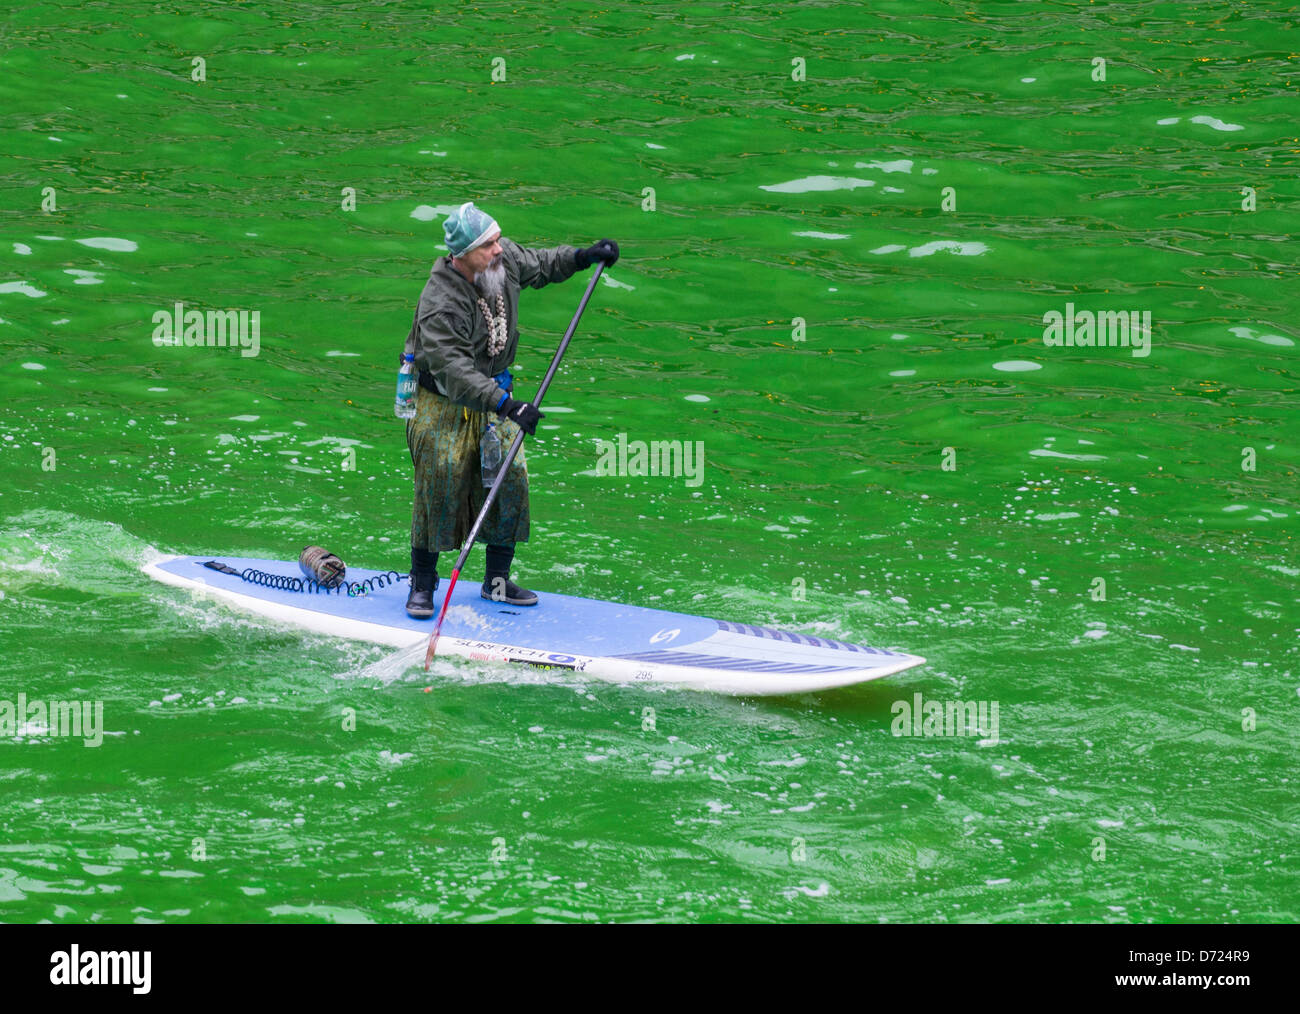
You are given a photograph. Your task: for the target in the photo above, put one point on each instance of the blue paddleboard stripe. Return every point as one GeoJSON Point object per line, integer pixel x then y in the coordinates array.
{"type": "Point", "coordinates": [724, 662]}
{"type": "Point", "coordinates": [786, 635]}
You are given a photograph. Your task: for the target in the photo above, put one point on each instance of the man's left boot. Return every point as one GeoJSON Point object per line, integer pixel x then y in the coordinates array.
{"type": "Point", "coordinates": [424, 582]}
{"type": "Point", "coordinates": [497, 586]}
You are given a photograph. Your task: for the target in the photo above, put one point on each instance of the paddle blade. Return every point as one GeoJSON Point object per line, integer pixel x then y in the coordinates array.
{"type": "Point", "coordinates": [433, 638]}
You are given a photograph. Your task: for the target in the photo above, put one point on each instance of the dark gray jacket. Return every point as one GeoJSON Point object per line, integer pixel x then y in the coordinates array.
{"type": "Point", "coordinates": [449, 336]}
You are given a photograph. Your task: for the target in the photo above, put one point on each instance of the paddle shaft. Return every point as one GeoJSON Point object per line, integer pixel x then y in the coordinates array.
{"type": "Point", "coordinates": [509, 459]}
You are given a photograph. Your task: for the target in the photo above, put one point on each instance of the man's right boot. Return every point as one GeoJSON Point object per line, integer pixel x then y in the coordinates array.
{"type": "Point", "coordinates": [424, 582]}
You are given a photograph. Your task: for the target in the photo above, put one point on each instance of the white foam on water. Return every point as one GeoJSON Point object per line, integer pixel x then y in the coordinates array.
{"type": "Point", "coordinates": [245, 418]}
{"type": "Point", "coordinates": [902, 165]}
{"type": "Point", "coordinates": [430, 151]}
{"type": "Point", "coordinates": [1016, 366]}
{"type": "Point", "coordinates": [396, 664]}
{"type": "Point", "coordinates": [1208, 121]}
{"type": "Point", "coordinates": [684, 56]}
{"type": "Point", "coordinates": [902, 373]}
{"type": "Point", "coordinates": [1028, 80]}
{"type": "Point", "coordinates": [824, 235]}
{"type": "Point", "coordinates": [428, 212]}
{"type": "Point", "coordinates": [657, 147]}
{"type": "Point", "coordinates": [613, 283]}
{"type": "Point", "coordinates": [84, 277]}
{"type": "Point", "coordinates": [338, 442]}
{"type": "Point", "coordinates": [820, 891]}
{"type": "Point", "coordinates": [814, 184]}
{"type": "Point", "coordinates": [697, 397]}
{"type": "Point", "coordinates": [1265, 339]}
{"type": "Point", "coordinates": [335, 352]}
{"type": "Point", "coordinates": [110, 243]}
{"type": "Point", "coordinates": [959, 249]}
{"type": "Point", "coordinates": [22, 248]}
{"type": "Point", "coordinates": [33, 366]}
{"type": "Point", "coordinates": [22, 287]}
{"type": "Point", "coordinates": [888, 248]}
{"type": "Point", "coordinates": [1044, 452]}
{"type": "Point", "coordinates": [1217, 124]}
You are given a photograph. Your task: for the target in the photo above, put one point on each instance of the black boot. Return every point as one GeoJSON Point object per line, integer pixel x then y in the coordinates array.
{"type": "Point", "coordinates": [424, 582]}
{"type": "Point", "coordinates": [497, 586]}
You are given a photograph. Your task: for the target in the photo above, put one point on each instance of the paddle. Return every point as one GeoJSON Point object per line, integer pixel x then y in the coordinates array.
{"type": "Point", "coordinates": [517, 443]}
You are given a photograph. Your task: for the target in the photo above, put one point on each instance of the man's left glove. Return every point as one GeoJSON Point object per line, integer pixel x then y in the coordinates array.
{"type": "Point", "coordinates": [523, 414]}
{"type": "Point", "coordinates": [606, 250]}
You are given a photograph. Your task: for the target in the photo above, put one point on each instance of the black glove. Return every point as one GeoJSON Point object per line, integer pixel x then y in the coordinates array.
{"type": "Point", "coordinates": [522, 414]}
{"type": "Point", "coordinates": [606, 250]}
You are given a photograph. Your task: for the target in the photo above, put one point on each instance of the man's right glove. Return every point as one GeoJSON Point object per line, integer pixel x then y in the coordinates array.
{"type": "Point", "coordinates": [521, 413]}
{"type": "Point", "coordinates": [606, 250]}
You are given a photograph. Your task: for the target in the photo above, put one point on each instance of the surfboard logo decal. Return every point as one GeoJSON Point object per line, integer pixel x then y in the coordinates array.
{"type": "Point", "coordinates": [665, 635]}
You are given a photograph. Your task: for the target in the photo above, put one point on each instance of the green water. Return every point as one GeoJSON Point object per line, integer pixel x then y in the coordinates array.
{"type": "Point", "coordinates": [1129, 781]}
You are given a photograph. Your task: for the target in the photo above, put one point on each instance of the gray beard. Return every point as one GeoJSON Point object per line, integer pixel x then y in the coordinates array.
{"type": "Point", "coordinates": [491, 282]}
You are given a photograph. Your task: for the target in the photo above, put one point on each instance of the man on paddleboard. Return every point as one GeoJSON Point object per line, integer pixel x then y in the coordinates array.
{"type": "Point", "coordinates": [464, 338]}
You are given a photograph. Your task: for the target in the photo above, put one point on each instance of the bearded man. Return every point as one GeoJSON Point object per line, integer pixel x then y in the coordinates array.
{"type": "Point", "coordinates": [464, 338]}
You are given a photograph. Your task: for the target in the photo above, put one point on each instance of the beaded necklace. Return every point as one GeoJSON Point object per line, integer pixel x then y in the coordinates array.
{"type": "Point", "coordinates": [498, 329]}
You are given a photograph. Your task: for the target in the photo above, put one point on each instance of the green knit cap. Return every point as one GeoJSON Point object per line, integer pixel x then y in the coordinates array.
{"type": "Point", "coordinates": [467, 228]}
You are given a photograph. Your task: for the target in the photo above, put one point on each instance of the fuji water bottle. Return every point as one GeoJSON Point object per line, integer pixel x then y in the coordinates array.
{"type": "Point", "coordinates": [404, 407]}
{"type": "Point", "coordinates": [489, 450]}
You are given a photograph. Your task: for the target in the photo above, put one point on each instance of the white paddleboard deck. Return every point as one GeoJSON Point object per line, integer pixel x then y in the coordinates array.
{"type": "Point", "coordinates": [621, 643]}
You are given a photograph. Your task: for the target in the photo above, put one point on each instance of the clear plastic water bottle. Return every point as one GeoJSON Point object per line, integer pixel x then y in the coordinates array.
{"type": "Point", "coordinates": [404, 407]}
{"type": "Point", "coordinates": [489, 452]}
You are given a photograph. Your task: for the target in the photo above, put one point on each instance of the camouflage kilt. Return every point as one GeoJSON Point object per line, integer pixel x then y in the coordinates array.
{"type": "Point", "coordinates": [449, 492]}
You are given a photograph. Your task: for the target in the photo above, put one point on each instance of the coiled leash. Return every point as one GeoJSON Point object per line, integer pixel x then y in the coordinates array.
{"type": "Point", "coordinates": [323, 574]}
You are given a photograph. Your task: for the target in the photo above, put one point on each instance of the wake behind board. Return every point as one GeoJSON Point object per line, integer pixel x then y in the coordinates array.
{"type": "Point", "coordinates": [621, 643]}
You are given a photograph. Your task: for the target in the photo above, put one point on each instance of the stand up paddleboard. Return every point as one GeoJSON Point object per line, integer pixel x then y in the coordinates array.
{"type": "Point", "coordinates": [624, 644]}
